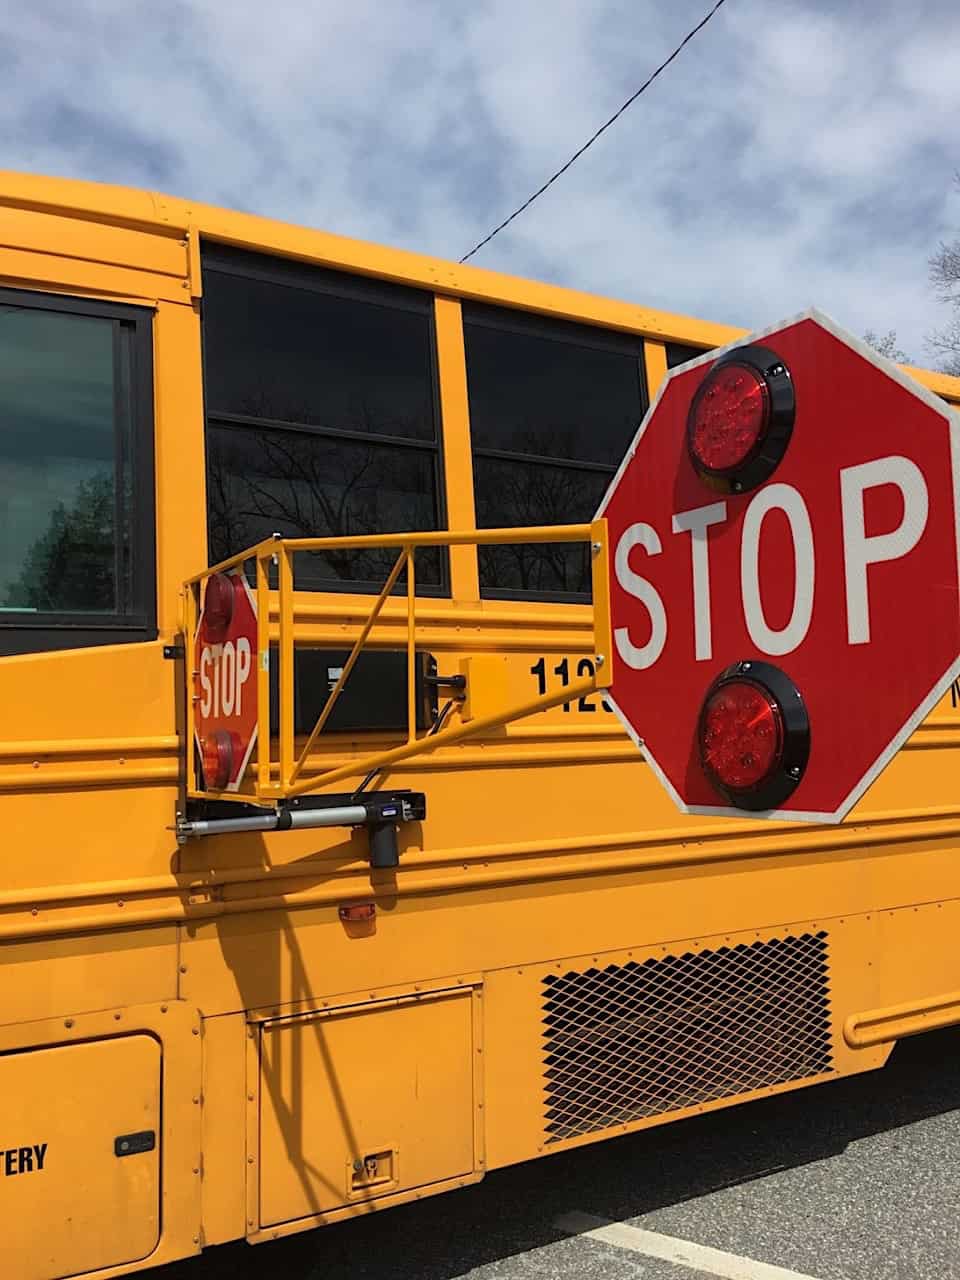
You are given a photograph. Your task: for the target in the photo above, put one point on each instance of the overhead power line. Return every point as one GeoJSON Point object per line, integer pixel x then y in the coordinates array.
{"type": "Point", "coordinates": [590, 141]}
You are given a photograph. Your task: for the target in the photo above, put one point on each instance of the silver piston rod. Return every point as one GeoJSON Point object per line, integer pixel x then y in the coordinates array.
{"type": "Point", "coordinates": [380, 815]}
{"type": "Point", "coordinates": [351, 815]}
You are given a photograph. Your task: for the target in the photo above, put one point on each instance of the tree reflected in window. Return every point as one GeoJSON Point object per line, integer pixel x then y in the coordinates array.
{"type": "Point", "coordinates": [321, 415]}
{"type": "Point", "coordinates": [70, 567]}
{"type": "Point", "coordinates": [76, 472]}
{"type": "Point", "coordinates": [553, 407]}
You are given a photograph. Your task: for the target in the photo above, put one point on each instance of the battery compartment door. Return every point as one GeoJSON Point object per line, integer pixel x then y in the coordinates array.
{"type": "Point", "coordinates": [80, 1156]}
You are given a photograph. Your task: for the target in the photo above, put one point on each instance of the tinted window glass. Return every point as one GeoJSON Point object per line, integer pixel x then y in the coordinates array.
{"type": "Point", "coordinates": [75, 515]}
{"type": "Point", "coordinates": [513, 492]}
{"type": "Point", "coordinates": [321, 415]}
{"type": "Point", "coordinates": [553, 393]}
{"type": "Point", "coordinates": [264, 481]}
{"type": "Point", "coordinates": [679, 353]}
{"type": "Point", "coordinates": [298, 355]}
{"type": "Point", "coordinates": [553, 407]}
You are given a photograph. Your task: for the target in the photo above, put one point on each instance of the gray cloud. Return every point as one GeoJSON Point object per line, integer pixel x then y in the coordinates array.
{"type": "Point", "coordinates": [798, 152]}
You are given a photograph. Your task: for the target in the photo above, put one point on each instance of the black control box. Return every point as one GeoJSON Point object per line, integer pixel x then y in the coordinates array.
{"type": "Point", "coordinates": [374, 698]}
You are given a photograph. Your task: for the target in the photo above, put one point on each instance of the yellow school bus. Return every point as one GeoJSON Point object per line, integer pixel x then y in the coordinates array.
{"type": "Point", "coordinates": [409, 936]}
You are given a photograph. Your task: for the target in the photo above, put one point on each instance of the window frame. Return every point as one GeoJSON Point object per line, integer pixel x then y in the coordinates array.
{"type": "Point", "coordinates": [312, 278]}
{"type": "Point", "coordinates": [134, 409]}
{"type": "Point", "coordinates": [574, 333]}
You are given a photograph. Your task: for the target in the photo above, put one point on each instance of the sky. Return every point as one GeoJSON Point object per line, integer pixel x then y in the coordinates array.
{"type": "Point", "coordinates": [798, 152]}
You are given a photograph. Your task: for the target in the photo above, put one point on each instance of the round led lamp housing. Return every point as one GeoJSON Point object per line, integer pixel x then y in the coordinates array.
{"type": "Point", "coordinates": [218, 605]}
{"type": "Point", "coordinates": [217, 756]}
{"type": "Point", "coordinates": [753, 735]}
{"type": "Point", "coordinates": [741, 419]}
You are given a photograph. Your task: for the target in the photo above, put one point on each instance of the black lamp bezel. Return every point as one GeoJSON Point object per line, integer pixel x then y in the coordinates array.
{"type": "Point", "coordinates": [767, 453]}
{"type": "Point", "coordinates": [773, 790]}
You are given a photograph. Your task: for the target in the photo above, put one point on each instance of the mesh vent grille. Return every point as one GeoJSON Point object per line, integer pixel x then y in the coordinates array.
{"type": "Point", "coordinates": [636, 1040]}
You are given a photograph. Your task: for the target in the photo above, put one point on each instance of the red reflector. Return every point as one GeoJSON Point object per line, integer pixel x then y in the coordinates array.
{"type": "Point", "coordinates": [741, 735]}
{"type": "Point", "coordinates": [217, 606]}
{"type": "Point", "coordinates": [358, 912]}
{"type": "Point", "coordinates": [729, 418]}
{"type": "Point", "coordinates": [216, 751]}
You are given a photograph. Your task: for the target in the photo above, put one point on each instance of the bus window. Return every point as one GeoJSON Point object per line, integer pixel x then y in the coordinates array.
{"type": "Point", "coordinates": [553, 406]}
{"type": "Point", "coordinates": [321, 414]}
{"type": "Point", "coordinates": [76, 474]}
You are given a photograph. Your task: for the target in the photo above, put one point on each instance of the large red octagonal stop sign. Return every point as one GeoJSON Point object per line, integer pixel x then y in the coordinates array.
{"type": "Point", "coordinates": [796, 521]}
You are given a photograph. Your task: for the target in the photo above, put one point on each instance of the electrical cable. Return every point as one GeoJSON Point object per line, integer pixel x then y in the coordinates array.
{"type": "Point", "coordinates": [374, 773]}
{"type": "Point", "coordinates": [441, 718]}
{"type": "Point", "coordinates": [590, 141]}
{"type": "Point", "coordinates": [434, 728]}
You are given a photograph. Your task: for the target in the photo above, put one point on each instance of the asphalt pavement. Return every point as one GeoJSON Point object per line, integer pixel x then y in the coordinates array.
{"type": "Point", "coordinates": [858, 1180]}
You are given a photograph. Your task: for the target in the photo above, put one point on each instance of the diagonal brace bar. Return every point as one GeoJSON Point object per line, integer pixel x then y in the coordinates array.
{"type": "Point", "coordinates": [404, 558]}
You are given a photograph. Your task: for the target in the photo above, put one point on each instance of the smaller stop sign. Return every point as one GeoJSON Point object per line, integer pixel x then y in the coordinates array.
{"type": "Point", "coordinates": [785, 573]}
{"type": "Point", "coordinates": [225, 663]}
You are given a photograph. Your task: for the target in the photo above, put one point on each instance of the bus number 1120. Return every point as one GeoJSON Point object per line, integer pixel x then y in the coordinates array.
{"type": "Point", "coordinates": [584, 667]}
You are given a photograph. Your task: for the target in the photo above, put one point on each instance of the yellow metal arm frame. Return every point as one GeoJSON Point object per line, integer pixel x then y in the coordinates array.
{"type": "Point", "coordinates": [279, 779]}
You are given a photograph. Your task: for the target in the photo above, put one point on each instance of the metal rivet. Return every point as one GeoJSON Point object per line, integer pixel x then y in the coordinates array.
{"type": "Point", "coordinates": [68, 1023]}
{"type": "Point", "coordinates": [163, 1008]}
{"type": "Point", "coordinates": [183, 968]}
{"type": "Point", "coordinates": [117, 1017]}
{"type": "Point", "coordinates": [249, 1159]}
{"type": "Point", "coordinates": [601, 659]}
{"type": "Point", "coordinates": [196, 1031]}
{"type": "Point", "coordinates": [250, 1097]}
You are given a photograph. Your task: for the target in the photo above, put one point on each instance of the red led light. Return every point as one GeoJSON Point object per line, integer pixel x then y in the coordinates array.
{"type": "Point", "coordinates": [741, 735]}
{"type": "Point", "coordinates": [216, 751]}
{"type": "Point", "coordinates": [729, 417]}
{"type": "Point", "coordinates": [218, 606]}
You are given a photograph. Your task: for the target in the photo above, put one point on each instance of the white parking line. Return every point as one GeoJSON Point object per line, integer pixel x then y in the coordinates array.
{"type": "Point", "coordinates": [683, 1253]}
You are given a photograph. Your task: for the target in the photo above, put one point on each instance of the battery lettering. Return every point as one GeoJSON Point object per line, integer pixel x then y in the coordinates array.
{"type": "Point", "coordinates": [16, 1160]}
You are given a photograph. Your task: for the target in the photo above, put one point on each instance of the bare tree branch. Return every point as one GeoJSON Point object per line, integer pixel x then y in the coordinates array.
{"type": "Point", "coordinates": [945, 278]}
